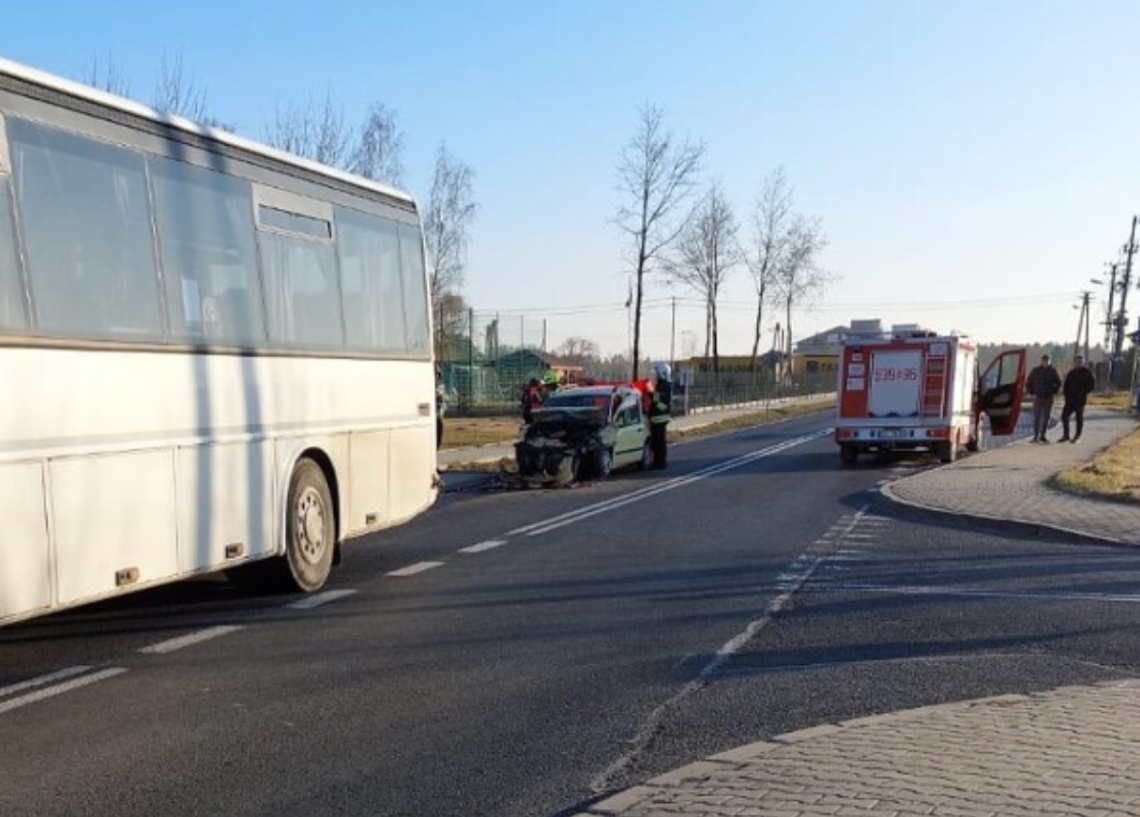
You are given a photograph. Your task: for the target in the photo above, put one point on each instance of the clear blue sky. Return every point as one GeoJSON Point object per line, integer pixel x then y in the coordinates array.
{"type": "Point", "coordinates": [974, 163]}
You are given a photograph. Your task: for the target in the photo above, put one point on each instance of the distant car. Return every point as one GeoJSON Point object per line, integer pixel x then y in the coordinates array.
{"type": "Point", "coordinates": [584, 432]}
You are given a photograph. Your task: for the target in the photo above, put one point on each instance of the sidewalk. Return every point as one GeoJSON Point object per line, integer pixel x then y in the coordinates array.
{"type": "Point", "coordinates": [1073, 750]}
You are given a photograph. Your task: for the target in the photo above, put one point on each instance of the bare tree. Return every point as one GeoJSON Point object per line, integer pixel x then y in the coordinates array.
{"type": "Point", "coordinates": [107, 77]}
{"type": "Point", "coordinates": [800, 279]}
{"type": "Point", "coordinates": [176, 93]}
{"type": "Point", "coordinates": [314, 131]}
{"type": "Point", "coordinates": [771, 225]}
{"type": "Point", "coordinates": [578, 351]}
{"type": "Point", "coordinates": [378, 154]}
{"type": "Point", "coordinates": [657, 175]}
{"type": "Point", "coordinates": [707, 251]}
{"type": "Point", "coordinates": [453, 329]}
{"type": "Point", "coordinates": [447, 223]}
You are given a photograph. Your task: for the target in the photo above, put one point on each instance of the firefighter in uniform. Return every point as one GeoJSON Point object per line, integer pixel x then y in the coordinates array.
{"type": "Point", "coordinates": [660, 413]}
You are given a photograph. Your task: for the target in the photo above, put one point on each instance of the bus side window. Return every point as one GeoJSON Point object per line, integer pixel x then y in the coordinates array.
{"type": "Point", "coordinates": [301, 292]}
{"type": "Point", "coordinates": [205, 230]}
{"type": "Point", "coordinates": [89, 246]}
{"type": "Point", "coordinates": [369, 249]}
{"type": "Point", "coordinates": [12, 316]}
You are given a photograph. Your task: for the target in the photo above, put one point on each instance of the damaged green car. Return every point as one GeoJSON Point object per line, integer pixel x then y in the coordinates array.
{"type": "Point", "coordinates": [582, 433]}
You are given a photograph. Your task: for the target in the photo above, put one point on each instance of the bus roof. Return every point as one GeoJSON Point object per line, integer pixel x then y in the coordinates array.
{"type": "Point", "coordinates": [86, 92]}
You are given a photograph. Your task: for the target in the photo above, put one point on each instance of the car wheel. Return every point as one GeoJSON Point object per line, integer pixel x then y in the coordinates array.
{"type": "Point", "coordinates": [603, 462]}
{"type": "Point", "coordinates": [646, 457]}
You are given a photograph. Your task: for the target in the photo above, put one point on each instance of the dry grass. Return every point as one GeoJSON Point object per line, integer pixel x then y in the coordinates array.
{"type": "Point", "coordinates": [1116, 401]}
{"type": "Point", "coordinates": [1114, 474]}
{"type": "Point", "coordinates": [470, 432]}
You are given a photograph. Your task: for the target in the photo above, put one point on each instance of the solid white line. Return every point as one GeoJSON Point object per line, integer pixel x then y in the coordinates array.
{"type": "Point", "coordinates": [483, 547]}
{"type": "Point", "coordinates": [189, 640]}
{"type": "Point", "coordinates": [798, 572]}
{"type": "Point", "coordinates": [914, 590]}
{"type": "Point", "coordinates": [571, 517]}
{"type": "Point", "coordinates": [310, 602]}
{"type": "Point", "coordinates": [59, 689]}
{"type": "Point", "coordinates": [50, 678]}
{"type": "Point", "coordinates": [411, 570]}
{"type": "Point", "coordinates": [675, 482]}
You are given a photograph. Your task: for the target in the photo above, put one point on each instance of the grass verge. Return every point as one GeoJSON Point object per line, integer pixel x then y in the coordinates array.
{"type": "Point", "coordinates": [1114, 474]}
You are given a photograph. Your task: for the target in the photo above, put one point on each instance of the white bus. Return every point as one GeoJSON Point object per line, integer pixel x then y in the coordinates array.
{"type": "Point", "coordinates": [213, 354]}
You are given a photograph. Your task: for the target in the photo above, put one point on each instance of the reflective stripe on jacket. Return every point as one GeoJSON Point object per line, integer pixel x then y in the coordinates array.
{"type": "Point", "coordinates": [661, 402]}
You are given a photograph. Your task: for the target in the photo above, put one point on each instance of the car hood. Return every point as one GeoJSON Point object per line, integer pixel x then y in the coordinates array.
{"type": "Point", "coordinates": [569, 418]}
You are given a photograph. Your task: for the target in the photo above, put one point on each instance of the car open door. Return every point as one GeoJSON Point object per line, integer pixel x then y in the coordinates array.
{"type": "Point", "coordinates": [1000, 389]}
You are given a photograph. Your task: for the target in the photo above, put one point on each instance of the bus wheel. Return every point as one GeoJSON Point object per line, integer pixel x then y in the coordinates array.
{"type": "Point", "coordinates": [848, 453]}
{"type": "Point", "coordinates": [947, 452]}
{"type": "Point", "coordinates": [310, 536]}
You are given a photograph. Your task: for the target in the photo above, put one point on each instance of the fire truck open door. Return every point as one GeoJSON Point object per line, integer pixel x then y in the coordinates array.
{"type": "Point", "coordinates": [1000, 389]}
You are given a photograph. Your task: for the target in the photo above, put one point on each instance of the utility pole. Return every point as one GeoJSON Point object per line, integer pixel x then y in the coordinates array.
{"type": "Point", "coordinates": [1122, 315]}
{"type": "Point", "coordinates": [1083, 324]}
{"type": "Point", "coordinates": [673, 337]}
{"type": "Point", "coordinates": [1108, 322]}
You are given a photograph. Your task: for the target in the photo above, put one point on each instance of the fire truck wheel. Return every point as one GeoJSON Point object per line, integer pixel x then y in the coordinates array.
{"type": "Point", "coordinates": [848, 453]}
{"type": "Point", "coordinates": [947, 452]}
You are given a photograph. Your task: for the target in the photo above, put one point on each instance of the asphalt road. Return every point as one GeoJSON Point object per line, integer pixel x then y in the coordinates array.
{"type": "Point", "coordinates": [520, 653]}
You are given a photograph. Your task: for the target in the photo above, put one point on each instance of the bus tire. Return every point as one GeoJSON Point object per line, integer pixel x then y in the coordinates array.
{"type": "Point", "coordinates": [947, 452]}
{"type": "Point", "coordinates": [848, 453]}
{"type": "Point", "coordinates": [310, 528]}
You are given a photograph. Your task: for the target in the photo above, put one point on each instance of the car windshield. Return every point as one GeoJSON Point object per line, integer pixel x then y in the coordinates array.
{"type": "Point", "coordinates": [579, 400]}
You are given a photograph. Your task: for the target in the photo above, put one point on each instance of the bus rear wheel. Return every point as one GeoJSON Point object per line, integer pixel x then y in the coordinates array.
{"type": "Point", "coordinates": [310, 535]}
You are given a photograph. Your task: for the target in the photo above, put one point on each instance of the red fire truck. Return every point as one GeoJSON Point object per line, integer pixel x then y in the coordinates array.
{"type": "Point", "coordinates": [912, 389]}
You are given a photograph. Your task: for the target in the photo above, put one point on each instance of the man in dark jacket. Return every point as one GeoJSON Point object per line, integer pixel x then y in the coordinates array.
{"type": "Point", "coordinates": [1079, 384]}
{"type": "Point", "coordinates": [1043, 383]}
{"type": "Point", "coordinates": [660, 413]}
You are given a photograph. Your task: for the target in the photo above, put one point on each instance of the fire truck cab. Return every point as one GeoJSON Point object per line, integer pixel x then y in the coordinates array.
{"type": "Point", "coordinates": [913, 389]}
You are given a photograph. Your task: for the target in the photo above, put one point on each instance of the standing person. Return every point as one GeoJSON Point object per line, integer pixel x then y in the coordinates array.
{"type": "Point", "coordinates": [1079, 384]}
{"type": "Point", "coordinates": [1043, 383]}
{"type": "Point", "coordinates": [531, 399]}
{"type": "Point", "coordinates": [440, 406]}
{"type": "Point", "coordinates": [660, 413]}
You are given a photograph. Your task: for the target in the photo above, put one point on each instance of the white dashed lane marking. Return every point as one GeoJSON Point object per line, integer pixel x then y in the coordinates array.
{"type": "Point", "coordinates": [173, 644]}
{"type": "Point", "coordinates": [320, 599]}
{"type": "Point", "coordinates": [411, 570]}
{"type": "Point", "coordinates": [482, 547]}
{"type": "Point", "coordinates": [57, 689]}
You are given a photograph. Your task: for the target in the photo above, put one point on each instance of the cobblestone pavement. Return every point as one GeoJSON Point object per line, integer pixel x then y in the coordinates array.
{"type": "Point", "coordinates": [1068, 751]}
{"type": "Point", "coordinates": [1011, 483]}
